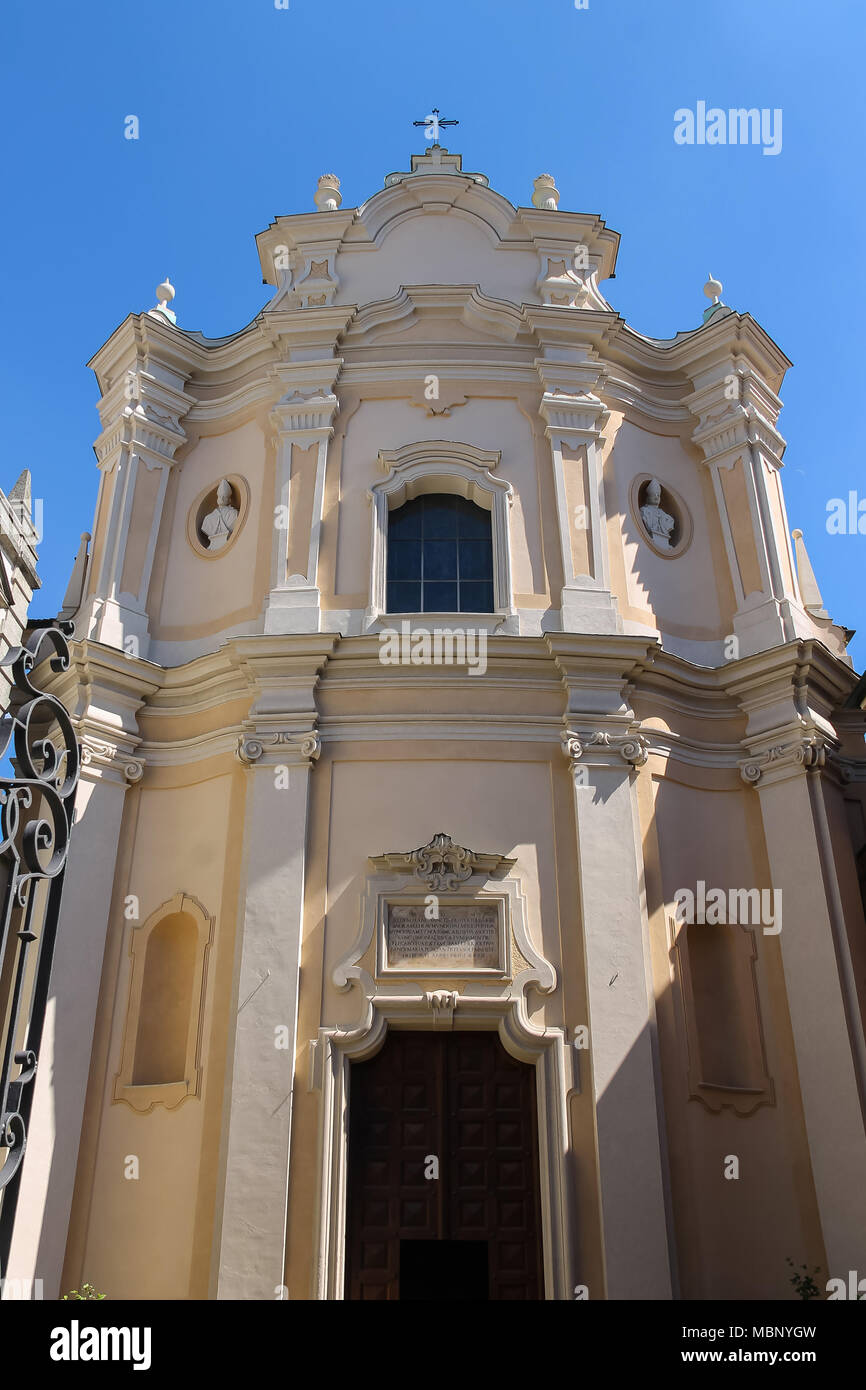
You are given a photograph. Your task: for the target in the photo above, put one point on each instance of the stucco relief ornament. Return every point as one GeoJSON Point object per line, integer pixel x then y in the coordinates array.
{"type": "Point", "coordinates": [218, 525]}
{"type": "Point", "coordinates": [658, 522]}
{"type": "Point", "coordinates": [809, 752]}
{"type": "Point", "coordinates": [632, 748]}
{"type": "Point", "coordinates": [443, 1002]}
{"type": "Point", "coordinates": [307, 746]}
{"type": "Point", "coordinates": [97, 753]}
{"type": "Point", "coordinates": [442, 865]}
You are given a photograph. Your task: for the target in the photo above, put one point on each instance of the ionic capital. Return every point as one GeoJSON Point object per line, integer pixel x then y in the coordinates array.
{"type": "Point", "coordinates": [599, 748]}
{"type": "Point", "coordinates": [298, 748]}
{"type": "Point", "coordinates": [782, 760]}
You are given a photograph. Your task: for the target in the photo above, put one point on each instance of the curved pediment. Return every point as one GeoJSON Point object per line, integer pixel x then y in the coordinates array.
{"type": "Point", "coordinates": [438, 193]}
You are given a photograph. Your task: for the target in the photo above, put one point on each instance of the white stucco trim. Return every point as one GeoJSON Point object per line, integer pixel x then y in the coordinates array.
{"type": "Point", "coordinates": [441, 465]}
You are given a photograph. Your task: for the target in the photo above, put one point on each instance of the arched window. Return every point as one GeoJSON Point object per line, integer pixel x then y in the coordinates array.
{"type": "Point", "coordinates": [440, 556]}
{"type": "Point", "coordinates": [160, 1063]}
{"type": "Point", "coordinates": [440, 538]}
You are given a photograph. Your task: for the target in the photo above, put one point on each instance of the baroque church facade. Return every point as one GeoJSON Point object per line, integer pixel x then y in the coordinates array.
{"type": "Point", "coordinates": [465, 889]}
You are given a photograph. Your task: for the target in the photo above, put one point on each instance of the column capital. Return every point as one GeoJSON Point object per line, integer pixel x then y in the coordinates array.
{"type": "Point", "coordinates": [105, 759]}
{"type": "Point", "coordinates": [792, 697]}
{"type": "Point", "coordinates": [806, 753]}
{"type": "Point", "coordinates": [601, 748]}
{"type": "Point", "coordinates": [297, 748]}
{"type": "Point", "coordinates": [305, 413]}
{"type": "Point", "coordinates": [141, 414]}
{"type": "Point", "coordinates": [574, 415]}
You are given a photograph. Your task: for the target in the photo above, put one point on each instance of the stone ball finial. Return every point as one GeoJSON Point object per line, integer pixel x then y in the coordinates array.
{"type": "Point", "coordinates": [545, 193]}
{"type": "Point", "coordinates": [713, 288]}
{"type": "Point", "coordinates": [328, 196]}
{"type": "Point", "coordinates": [165, 293]}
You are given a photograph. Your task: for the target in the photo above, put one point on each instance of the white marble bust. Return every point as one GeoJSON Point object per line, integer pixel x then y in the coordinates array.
{"type": "Point", "coordinates": [218, 525]}
{"type": "Point", "coordinates": [658, 522]}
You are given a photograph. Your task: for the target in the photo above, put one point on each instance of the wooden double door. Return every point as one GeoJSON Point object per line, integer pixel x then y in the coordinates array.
{"type": "Point", "coordinates": [443, 1193]}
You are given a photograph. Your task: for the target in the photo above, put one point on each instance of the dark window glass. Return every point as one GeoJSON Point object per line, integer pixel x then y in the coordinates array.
{"type": "Point", "coordinates": [404, 598]}
{"type": "Point", "coordinates": [404, 560]}
{"type": "Point", "coordinates": [440, 517]}
{"type": "Point", "coordinates": [473, 522]}
{"type": "Point", "coordinates": [440, 598]}
{"type": "Point", "coordinates": [475, 560]}
{"type": "Point", "coordinates": [440, 560]}
{"type": "Point", "coordinates": [405, 522]}
{"type": "Point", "coordinates": [440, 556]}
{"type": "Point", "coordinates": [476, 598]}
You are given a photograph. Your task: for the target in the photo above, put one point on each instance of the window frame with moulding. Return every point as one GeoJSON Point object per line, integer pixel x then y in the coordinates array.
{"type": "Point", "coordinates": [442, 467]}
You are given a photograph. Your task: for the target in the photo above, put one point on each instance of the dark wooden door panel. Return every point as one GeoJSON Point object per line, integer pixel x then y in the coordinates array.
{"type": "Point", "coordinates": [461, 1098]}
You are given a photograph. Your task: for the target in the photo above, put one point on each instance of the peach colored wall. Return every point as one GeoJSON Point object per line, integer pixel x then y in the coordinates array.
{"type": "Point", "coordinates": [684, 591]}
{"type": "Point", "coordinates": [184, 838]}
{"type": "Point", "coordinates": [198, 590]}
{"type": "Point", "coordinates": [733, 1235]}
{"type": "Point", "coordinates": [428, 250]}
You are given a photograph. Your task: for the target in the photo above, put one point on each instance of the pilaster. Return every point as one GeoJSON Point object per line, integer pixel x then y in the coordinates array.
{"type": "Point", "coordinates": [737, 412]}
{"type": "Point", "coordinates": [574, 423]}
{"type": "Point", "coordinates": [279, 747]}
{"type": "Point", "coordinates": [604, 747]}
{"type": "Point", "coordinates": [301, 419]}
{"type": "Point", "coordinates": [789, 698]}
{"type": "Point", "coordinates": [143, 374]}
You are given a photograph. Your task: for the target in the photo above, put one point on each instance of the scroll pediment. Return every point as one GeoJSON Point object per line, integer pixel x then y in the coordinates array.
{"type": "Point", "coordinates": [441, 865]}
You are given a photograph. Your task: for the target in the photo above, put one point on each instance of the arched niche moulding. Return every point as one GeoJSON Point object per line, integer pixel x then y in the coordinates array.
{"type": "Point", "coordinates": [160, 1061]}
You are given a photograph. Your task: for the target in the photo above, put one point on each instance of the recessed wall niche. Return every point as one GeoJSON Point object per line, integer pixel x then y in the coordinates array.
{"type": "Point", "coordinates": [663, 520]}
{"type": "Point", "coordinates": [714, 976]}
{"type": "Point", "coordinates": [216, 517]}
{"type": "Point", "coordinates": [160, 1062]}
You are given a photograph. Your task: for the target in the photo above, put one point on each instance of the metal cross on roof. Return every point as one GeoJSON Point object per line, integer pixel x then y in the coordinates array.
{"type": "Point", "coordinates": [433, 122]}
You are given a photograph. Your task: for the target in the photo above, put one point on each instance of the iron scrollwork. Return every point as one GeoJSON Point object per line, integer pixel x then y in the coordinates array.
{"type": "Point", "coordinates": [36, 807]}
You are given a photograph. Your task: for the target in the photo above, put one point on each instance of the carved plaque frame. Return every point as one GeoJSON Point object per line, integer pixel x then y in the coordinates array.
{"type": "Point", "coordinates": [385, 969]}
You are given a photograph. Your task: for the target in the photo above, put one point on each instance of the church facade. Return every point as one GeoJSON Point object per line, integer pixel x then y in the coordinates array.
{"type": "Point", "coordinates": [465, 890]}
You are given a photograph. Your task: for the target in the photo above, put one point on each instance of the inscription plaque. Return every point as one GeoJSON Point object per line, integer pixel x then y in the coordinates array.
{"type": "Point", "coordinates": [465, 936]}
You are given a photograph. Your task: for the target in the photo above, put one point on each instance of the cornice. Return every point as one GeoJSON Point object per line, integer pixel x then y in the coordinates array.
{"type": "Point", "coordinates": [498, 318]}
{"type": "Point", "coordinates": [666, 381]}
{"type": "Point", "coordinates": [296, 685]}
{"type": "Point", "coordinates": [804, 665]}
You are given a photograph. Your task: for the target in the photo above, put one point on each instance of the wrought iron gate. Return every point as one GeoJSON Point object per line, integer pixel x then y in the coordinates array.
{"type": "Point", "coordinates": [35, 822]}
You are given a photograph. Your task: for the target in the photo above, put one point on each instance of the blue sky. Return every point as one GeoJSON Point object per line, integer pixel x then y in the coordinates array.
{"type": "Point", "coordinates": [241, 107]}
